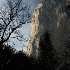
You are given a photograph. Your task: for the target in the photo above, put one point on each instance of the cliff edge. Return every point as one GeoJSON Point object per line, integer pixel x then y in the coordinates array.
{"type": "Point", "coordinates": [51, 16]}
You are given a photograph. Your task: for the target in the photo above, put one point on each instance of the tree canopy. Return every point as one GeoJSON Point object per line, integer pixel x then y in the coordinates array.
{"type": "Point", "coordinates": [13, 15]}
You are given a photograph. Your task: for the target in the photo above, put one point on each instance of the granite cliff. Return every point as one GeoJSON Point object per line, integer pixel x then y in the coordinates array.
{"type": "Point", "coordinates": [52, 16]}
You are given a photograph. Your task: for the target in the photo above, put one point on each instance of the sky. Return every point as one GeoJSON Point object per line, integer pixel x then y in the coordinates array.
{"type": "Point", "coordinates": [25, 30]}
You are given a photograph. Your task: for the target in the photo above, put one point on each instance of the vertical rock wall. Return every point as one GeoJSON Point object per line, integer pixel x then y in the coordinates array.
{"type": "Point", "coordinates": [50, 15]}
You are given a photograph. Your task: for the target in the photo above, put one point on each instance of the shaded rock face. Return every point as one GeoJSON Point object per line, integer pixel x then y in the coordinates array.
{"type": "Point", "coordinates": [50, 15]}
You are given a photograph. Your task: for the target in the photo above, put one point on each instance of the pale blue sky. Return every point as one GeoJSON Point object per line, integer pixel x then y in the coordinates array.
{"type": "Point", "coordinates": [25, 29]}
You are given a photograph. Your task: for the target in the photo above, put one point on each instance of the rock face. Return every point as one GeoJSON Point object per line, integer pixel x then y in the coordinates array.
{"type": "Point", "coordinates": [51, 16]}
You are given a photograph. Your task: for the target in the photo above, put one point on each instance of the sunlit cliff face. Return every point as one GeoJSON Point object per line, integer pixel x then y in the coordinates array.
{"type": "Point", "coordinates": [53, 18]}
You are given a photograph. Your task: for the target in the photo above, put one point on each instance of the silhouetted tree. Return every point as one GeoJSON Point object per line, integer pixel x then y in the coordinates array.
{"type": "Point", "coordinates": [17, 60]}
{"type": "Point", "coordinates": [47, 53]}
{"type": "Point", "coordinates": [11, 59]}
{"type": "Point", "coordinates": [6, 54]}
{"type": "Point", "coordinates": [12, 15]}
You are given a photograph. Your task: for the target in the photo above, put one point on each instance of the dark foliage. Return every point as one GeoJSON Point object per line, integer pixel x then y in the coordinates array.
{"type": "Point", "coordinates": [18, 60]}
{"type": "Point", "coordinates": [9, 59]}
{"type": "Point", "coordinates": [6, 54]}
{"type": "Point", "coordinates": [47, 53]}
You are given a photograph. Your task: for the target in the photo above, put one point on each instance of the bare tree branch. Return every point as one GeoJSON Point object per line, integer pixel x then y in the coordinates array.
{"type": "Point", "coordinates": [12, 16]}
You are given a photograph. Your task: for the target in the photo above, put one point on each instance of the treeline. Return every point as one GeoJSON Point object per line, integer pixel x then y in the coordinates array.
{"type": "Point", "coordinates": [10, 59]}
